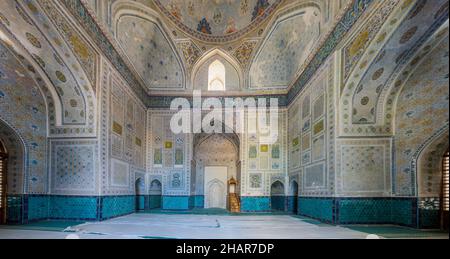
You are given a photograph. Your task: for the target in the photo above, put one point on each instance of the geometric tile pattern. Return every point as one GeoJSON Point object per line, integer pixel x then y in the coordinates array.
{"type": "Point", "coordinates": [422, 111]}
{"type": "Point", "coordinates": [255, 204]}
{"type": "Point", "coordinates": [23, 117]}
{"type": "Point", "coordinates": [74, 208]}
{"type": "Point", "coordinates": [114, 206]}
{"type": "Point", "coordinates": [282, 53]}
{"type": "Point", "coordinates": [74, 167]}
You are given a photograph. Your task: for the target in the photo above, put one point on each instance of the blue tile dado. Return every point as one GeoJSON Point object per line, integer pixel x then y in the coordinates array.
{"type": "Point", "coordinates": [278, 203]}
{"type": "Point", "coordinates": [364, 211]}
{"type": "Point", "coordinates": [140, 202]}
{"type": "Point", "coordinates": [154, 201]}
{"type": "Point", "coordinates": [317, 208]}
{"type": "Point", "coordinates": [15, 210]}
{"type": "Point", "coordinates": [73, 208]}
{"type": "Point", "coordinates": [255, 204]}
{"type": "Point", "coordinates": [399, 211]}
{"type": "Point", "coordinates": [199, 201]}
{"type": "Point", "coordinates": [116, 206]}
{"type": "Point", "coordinates": [404, 211]}
{"type": "Point", "coordinates": [344, 211]}
{"type": "Point", "coordinates": [38, 207]}
{"type": "Point", "coordinates": [429, 219]}
{"type": "Point", "coordinates": [292, 204]}
{"type": "Point", "coordinates": [176, 202]}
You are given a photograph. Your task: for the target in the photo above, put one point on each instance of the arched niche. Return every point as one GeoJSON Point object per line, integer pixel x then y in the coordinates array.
{"type": "Point", "coordinates": [218, 152]}
{"type": "Point", "coordinates": [200, 71]}
{"type": "Point", "coordinates": [139, 186]}
{"type": "Point", "coordinates": [278, 198]}
{"type": "Point", "coordinates": [293, 197]}
{"type": "Point", "coordinates": [14, 172]}
{"type": "Point", "coordinates": [155, 194]}
{"type": "Point", "coordinates": [421, 114]}
{"type": "Point", "coordinates": [23, 112]}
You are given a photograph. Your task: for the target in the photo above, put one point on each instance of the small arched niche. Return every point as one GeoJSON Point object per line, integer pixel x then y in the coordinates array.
{"type": "Point", "coordinates": [216, 72]}
{"type": "Point", "coordinates": [277, 194]}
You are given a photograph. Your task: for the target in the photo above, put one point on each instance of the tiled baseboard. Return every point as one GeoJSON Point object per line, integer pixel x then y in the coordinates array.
{"type": "Point", "coordinates": [340, 211]}
{"type": "Point", "coordinates": [346, 211]}
{"type": "Point", "coordinates": [255, 204]}
{"type": "Point", "coordinates": [23, 209]}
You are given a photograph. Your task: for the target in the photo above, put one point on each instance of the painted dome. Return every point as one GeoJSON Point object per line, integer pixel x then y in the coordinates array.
{"type": "Point", "coordinates": [217, 20]}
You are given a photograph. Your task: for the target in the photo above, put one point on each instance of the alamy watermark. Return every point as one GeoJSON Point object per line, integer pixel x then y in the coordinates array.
{"type": "Point", "coordinates": [213, 115]}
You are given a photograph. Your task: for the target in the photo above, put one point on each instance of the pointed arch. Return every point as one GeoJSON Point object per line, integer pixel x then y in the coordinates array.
{"type": "Point", "coordinates": [200, 71]}
{"type": "Point", "coordinates": [216, 76]}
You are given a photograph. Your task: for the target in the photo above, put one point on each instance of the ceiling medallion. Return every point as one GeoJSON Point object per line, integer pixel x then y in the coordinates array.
{"type": "Point", "coordinates": [217, 21]}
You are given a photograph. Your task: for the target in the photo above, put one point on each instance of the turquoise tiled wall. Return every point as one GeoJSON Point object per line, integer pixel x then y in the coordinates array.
{"type": "Point", "coordinates": [429, 219]}
{"type": "Point", "coordinates": [364, 211]}
{"type": "Point", "coordinates": [199, 201]}
{"type": "Point", "coordinates": [292, 203]}
{"type": "Point", "coordinates": [38, 207]}
{"type": "Point", "coordinates": [318, 208]}
{"type": "Point", "coordinates": [115, 206]}
{"type": "Point", "coordinates": [176, 202]}
{"type": "Point", "coordinates": [404, 212]}
{"type": "Point", "coordinates": [14, 209]}
{"type": "Point", "coordinates": [400, 211]}
{"type": "Point", "coordinates": [278, 203]}
{"type": "Point", "coordinates": [376, 211]}
{"type": "Point", "coordinates": [255, 204]}
{"type": "Point", "coordinates": [73, 208]}
{"type": "Point", "coordinates": [140, 203]}
{"type": "Point", "coordinates": [154, 201]}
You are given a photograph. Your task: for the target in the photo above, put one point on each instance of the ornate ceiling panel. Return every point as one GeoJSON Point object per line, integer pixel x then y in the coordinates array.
{"type": "Point", "coordinates": [285, 49]}
{"type": "Point", "coordinates": [367, 97]}
{"type": "Point", "coordinates": [60, 60]}
{"type": "Point", "coordinates": [217, 20]}
{"type": "Point", "coordinates": [151, 52]}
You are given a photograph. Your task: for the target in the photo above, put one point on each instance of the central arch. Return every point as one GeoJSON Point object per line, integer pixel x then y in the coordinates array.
{"type": "Point", "coordinates": [216, 163]}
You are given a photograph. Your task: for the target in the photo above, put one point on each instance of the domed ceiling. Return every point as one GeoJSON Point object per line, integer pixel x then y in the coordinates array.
{"type": "Point", "coordinates": [285, 49]}
{"type": "Point", "coordinates": [151, 52]}
{"type": "Point", "coordinates": [267, 41]}
{"type": "Point", "coordinates": [217, 20]}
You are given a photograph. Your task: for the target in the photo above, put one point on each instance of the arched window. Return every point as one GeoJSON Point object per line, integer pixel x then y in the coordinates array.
{"type": "Point", "coordinates": [216, 76]}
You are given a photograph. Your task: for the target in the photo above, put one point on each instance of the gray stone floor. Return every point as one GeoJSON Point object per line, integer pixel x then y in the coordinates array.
{"type": "Point", "coordinates": [194, 227]}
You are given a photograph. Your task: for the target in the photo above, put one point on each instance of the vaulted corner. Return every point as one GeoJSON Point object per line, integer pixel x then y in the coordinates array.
{"type": "Point", "coordinates": [286, 47]}
{"type": "Point", "coordinates": [148, 46]}
{"type": "Point", "coordinates": [375, 59]}
{"type": "Point", "coordinates": [61, 61]}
